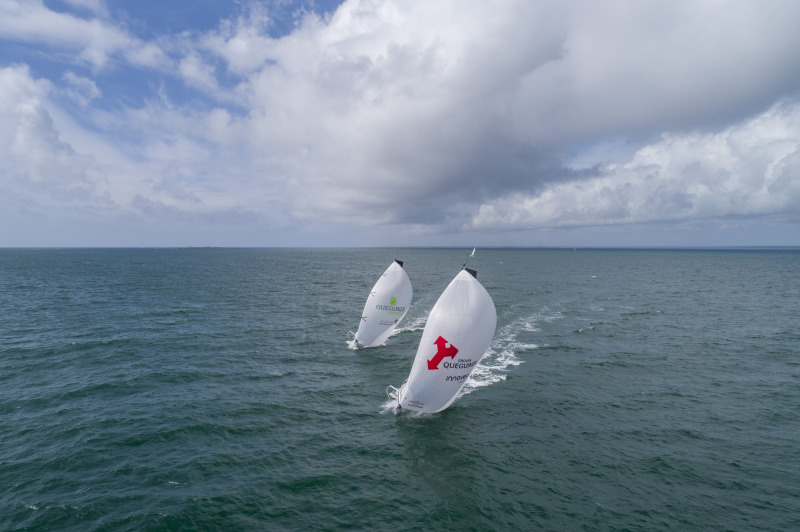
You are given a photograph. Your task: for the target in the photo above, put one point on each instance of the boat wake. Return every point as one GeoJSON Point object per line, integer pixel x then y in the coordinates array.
{"type": "Point", "coordinates": [417, 324]}
{"type": "Point", "coordinates": [501, 356]}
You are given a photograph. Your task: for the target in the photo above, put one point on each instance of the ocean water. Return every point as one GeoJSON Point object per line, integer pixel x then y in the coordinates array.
{"type": "Point", "coordinates": [213, 389]}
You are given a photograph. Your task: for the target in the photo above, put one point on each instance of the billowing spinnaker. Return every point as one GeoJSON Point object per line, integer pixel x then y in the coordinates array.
{"type": "Point", "coordinates": [386, 305]}
{"type": "Point", "coordinates": [458, 332]}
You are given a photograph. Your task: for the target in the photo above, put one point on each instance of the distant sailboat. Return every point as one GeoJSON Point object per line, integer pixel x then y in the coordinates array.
{"type": "Point", "coordinates": [386, 305]}
{"type": "Point", "coordinates": [458, 332]}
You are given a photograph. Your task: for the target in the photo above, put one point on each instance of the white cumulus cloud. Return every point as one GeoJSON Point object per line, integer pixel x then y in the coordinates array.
{"type": "Point", "coordinates": [39, 169]}
{"type": "Point", "coordinates": [747, 169]}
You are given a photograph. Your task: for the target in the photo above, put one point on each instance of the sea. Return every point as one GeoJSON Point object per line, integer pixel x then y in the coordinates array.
{"type": "Point", "coordinates": [214, 389]}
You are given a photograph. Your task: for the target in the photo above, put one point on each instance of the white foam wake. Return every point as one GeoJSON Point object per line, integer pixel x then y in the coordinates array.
{"type": "Point", "coordinates": [417, 324]}
{"type": "Point", "coordinates": [502, 353]}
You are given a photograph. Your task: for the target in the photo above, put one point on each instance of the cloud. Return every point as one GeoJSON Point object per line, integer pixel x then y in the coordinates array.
{"type": "Point", "coordinates": [387, 114]}
{"type": "Point", "coordinates": [244, 43]}
{"type": "Point", "coordinates": [46, 172]}
{"type": "Point", "coordinates": [39, 170]}
{"type": "Point", "coordinates": [421, 117]}
{"type": "Point", "coordinates": [643, 68]}
{"type": "Point", "coordinates": [748, 169]}
{"type": "Point", "coordinates": [96, 40]}
{"type": "Point", "coordinates": [197, 74]}
{"type": "Point", "coordinates": [79, 89]}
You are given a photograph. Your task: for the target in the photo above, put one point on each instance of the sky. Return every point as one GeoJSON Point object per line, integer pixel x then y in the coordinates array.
{"type": "Point", "coordinates": [557, 123]}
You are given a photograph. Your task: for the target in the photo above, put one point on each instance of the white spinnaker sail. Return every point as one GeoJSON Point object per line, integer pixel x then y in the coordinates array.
{"type": "Point", "coordinates": [386, 305]}
{"type": "Point", "coordinates": [458, 332]}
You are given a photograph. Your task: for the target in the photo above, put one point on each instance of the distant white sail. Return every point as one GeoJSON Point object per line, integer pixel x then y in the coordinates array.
{"type": "Point", "coordinates": [386, 305]}
{"type": "Point", "coordinates": [458, 332]}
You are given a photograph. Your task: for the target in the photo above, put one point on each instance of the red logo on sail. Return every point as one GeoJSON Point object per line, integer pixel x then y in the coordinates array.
{"type": "Point", "coordinates": [443, 349]}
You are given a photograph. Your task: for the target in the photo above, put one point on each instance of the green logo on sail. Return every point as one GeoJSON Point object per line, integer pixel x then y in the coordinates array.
{"type": "Point", "coordinates": [392, 307]}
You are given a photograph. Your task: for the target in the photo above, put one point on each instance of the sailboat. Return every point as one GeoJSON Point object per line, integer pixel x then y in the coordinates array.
{"type": "Point", "coordinates": [458, 332]}
{"type": "Point", "coordinates": [387, 303]}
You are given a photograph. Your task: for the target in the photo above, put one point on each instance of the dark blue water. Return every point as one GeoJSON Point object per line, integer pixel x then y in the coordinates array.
{"type": "Point", "coordinates": [165, 389]}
